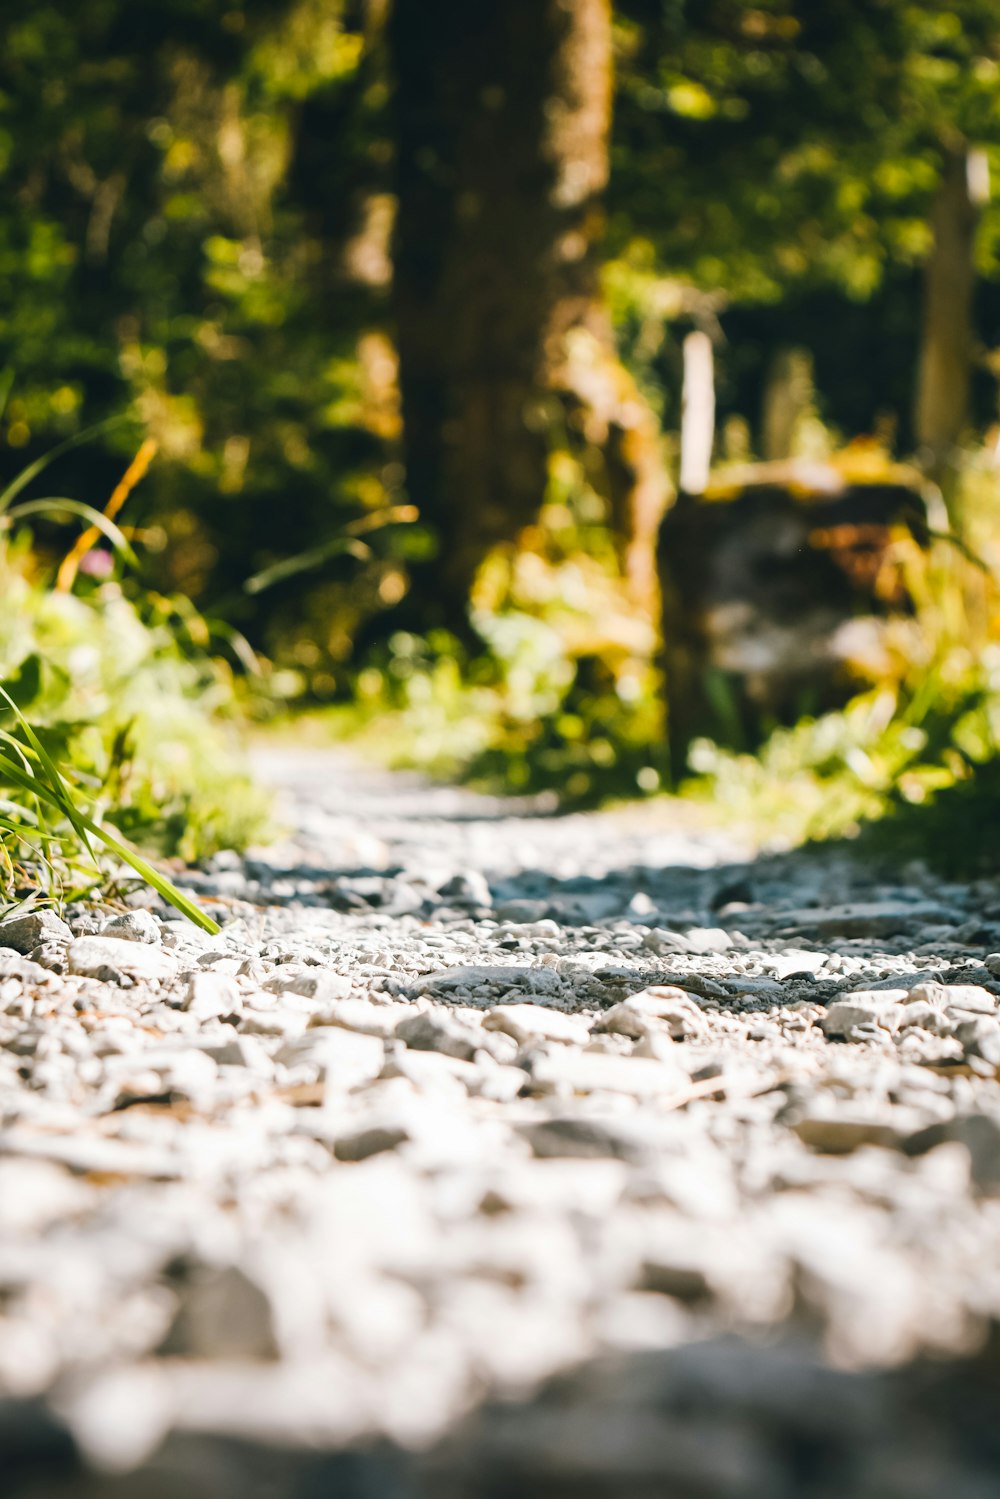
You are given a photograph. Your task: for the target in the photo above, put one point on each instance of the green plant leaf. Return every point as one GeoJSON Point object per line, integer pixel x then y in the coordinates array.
{"type": "Point", "coordinates": [24, 478]}
{"type": "Point", "coordinates": [45, 782]}
{"type": "Point", "coordinates": [289, 567]}
{"type": "Point", "coordinates": [55, 506]}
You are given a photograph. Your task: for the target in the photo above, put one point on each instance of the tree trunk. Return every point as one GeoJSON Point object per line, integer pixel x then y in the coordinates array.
{"type": "Point", "coordinates": [788, 395]}
{"type": "Point", "coordinates": [945, 369]}
{"type": "Point", "coordinates": [502, 111]}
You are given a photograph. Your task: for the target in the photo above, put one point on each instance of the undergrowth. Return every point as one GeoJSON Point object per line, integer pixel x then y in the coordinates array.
{"type": "Point", "coordinates": [130, 713]}
{"type": "Point", "coordinates": [566, 703]}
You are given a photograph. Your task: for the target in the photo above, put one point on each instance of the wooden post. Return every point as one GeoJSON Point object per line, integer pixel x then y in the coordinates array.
{"type": "Point", "coordinates": [697, 413]}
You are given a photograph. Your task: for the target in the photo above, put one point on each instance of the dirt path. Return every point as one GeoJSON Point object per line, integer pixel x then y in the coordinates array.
{"type": "Point", "coordinates": [467, 1096]}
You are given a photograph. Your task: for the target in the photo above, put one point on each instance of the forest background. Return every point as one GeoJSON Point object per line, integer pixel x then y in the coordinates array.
{"type": "Point", "coordinates": [385, 310]}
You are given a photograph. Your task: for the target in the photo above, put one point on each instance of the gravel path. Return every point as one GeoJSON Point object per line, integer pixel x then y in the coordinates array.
{"type": "Point", "coordinates": [494, 1153]}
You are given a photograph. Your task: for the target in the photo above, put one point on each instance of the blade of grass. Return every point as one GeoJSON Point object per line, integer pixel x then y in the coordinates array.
{"type": "Point", "coordinates": [6, 386]}
{"type": "Point", "coordinates": [10, 771]}
{"type": "Point", "coordinates": [51, 787]}
{"type": "Point", "coordinates": [24, 478]}
{"type": "Point", "coordinates": [99, 522]}
{"type": "Point", "coordinates": [289, 567]}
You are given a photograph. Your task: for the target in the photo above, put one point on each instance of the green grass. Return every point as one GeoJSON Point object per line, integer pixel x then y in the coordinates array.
{"type": "Point", "coordinates": [118, 739]}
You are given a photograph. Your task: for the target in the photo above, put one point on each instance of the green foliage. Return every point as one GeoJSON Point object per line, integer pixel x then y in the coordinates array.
{"type": "Point", "coordinates": [923, 742]}
{"type": "Point", "coordinates": [169, 249]}
{"type": "Point", "coordinates": [195, 222]}
{"type": "Point", "coordinates": [132, 719]}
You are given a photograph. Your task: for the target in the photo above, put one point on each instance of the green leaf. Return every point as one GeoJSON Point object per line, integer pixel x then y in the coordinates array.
{"type": "Point", "coordinates": [55, 506]}
{"type": "Point", "coordinates": [289, 567]}
{"type": "Point", "coordinates": [45, 782]}
{"type": "Point", "coordinates": [24, 478]}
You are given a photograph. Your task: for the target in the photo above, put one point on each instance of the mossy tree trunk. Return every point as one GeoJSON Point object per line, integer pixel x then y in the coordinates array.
{"type": "Point", "coordinates": [502, 111]}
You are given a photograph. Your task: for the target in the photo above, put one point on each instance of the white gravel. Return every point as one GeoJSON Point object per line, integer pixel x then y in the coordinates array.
{"type": "Point", "coordinates": [465, 1095]}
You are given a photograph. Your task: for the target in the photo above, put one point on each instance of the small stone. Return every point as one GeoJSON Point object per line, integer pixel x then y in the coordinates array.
{"type": "Point", "coordinates": [236, 1050]}
{"type": "Point", "coordinates": [342, 1058]}
{"type": "Point", "coordinates": [311, 983]}
{"type": "Point", "coordinates": [24, 933]}
{"type": "Point", "coordinates": [209, 994]}
{"type": "Point", "coordinates": [469, 889]}
{"type": "Point", "coordinates": [861, 1017]}
{"type": "Point", "coordinates": [883, 918]}
{"type": "Point", "coordinates": [521, 910]}
{"type": "Point", "coordinates": [979, 1133]}
{"type": "Point", "coordinates": [925, 1016]}
{"type": "Point", "coordinates": [586, 1072]}
{"type": "Point", "coordinates": [980, 1038]}
{"type": "Point", "coordinates": [432, 1071]}
{"type": "Point", "coordinates": [842, 1133]}
{"type": "Point", "coordinates": [438, 1031]}
{"type": "Point", "coordinates": [972, 998]}
{"type": "Point", "coordinates": [95, 956]}
{"type": "Point", "coordinates": [371, 1140]}
{"type": "Point", "coordinates": [51, 956]}
{"type": "Point", "coordinates": [584, 1138]}
{"type": "Point", "coordinates": [133, 926]}
{"type": "Point", "coordinates": [662, 1006]}
{"type": "Point", "coordinates": [529, 1022]}
{"type": "Point", "coordinates": [707, 939]}
{"type": "Point", "coordinates": [363, 1016]}
{"type": "Point", "coordinates": [223, 1314]}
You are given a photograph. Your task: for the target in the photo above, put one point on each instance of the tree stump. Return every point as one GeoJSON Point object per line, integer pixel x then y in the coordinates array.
{"type": "Point", "coordinates": [776, 592]}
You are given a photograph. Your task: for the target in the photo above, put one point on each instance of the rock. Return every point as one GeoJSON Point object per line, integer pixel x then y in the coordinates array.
{"type": "Point", "coordinates": [437, 1031]}
{"type": "Point", "coordinates": [222, 1313]}
{"type": "Point", "coordinates": [707, 939]}
{"type": "Point", "coordinates": [521, 910]}
{"type": "Point", "coordinates": [236, 1050]}
{"type": "Point", "coordinates": [209, 994]}
{"type": "Point", "coordinates": [97, 956]}
{"type": "Point", "coordinates": [883, 918]}
{"type": "Point", "coordinates": [311, 983]}
{"type": "Point", "coordinates": [793, 963]}
{"type": "Point", "coordinates": [13, 966]}
{"type": "Point", "coordinates": [980, 1038]}
{"type": "Point", "coordinates": [372, 1139]}
{"type": "Point", "coordinates": [926, 1016]}
{"type": "Point", "coordinates": [585, 1072]}
{"type": "Point", "coordinates": [862, 1017]}
{"type": "Point", "coordinates": [23, 933]}
{"type": "Point", "coordinates": [133, 926]}
{"type": "Point", "coordinates": [468, 889]}
{"type": "Point", "coordinates": [52, 956]}
{"type": "Point", "coordinates": [36, 1193]}
{"type": "Point", "coordinates": [364, 1016]}
{"type": "Point", "coordinates": [842, 1132]}
{"type": "Point", "coordinates": [971, 998]}
{"type": "Point", "coordinates": [341, 1058]}
{"type": "Point", "coordinates": [661, 1008]}
{"type": "Point", "coordinates": [527, 1022]}
{"type": "Point", "coordinates": [475, 978]}
{"type": "Point", "coordinates": [979, 1133]}
{"type": "Point", "coordinates": [432, 1071]}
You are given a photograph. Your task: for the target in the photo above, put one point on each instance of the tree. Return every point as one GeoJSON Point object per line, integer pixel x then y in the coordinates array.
{"type": "Point", "coordinates": [947, 344]}
{"type": "Point", "coordinates": [502, 114]}
{"type": "Point", "coordinates": [789, 153]}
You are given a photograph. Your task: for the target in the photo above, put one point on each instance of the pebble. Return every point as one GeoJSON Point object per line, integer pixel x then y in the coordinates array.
{"type": "Point", "coordinates": [464, 1097]}
{"type": "Point", "coordinates": [133, 926]}
{"type": "Point", "coordinates": [96, 956]}
{"type": "Point", "coordinates": [23, 933]}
